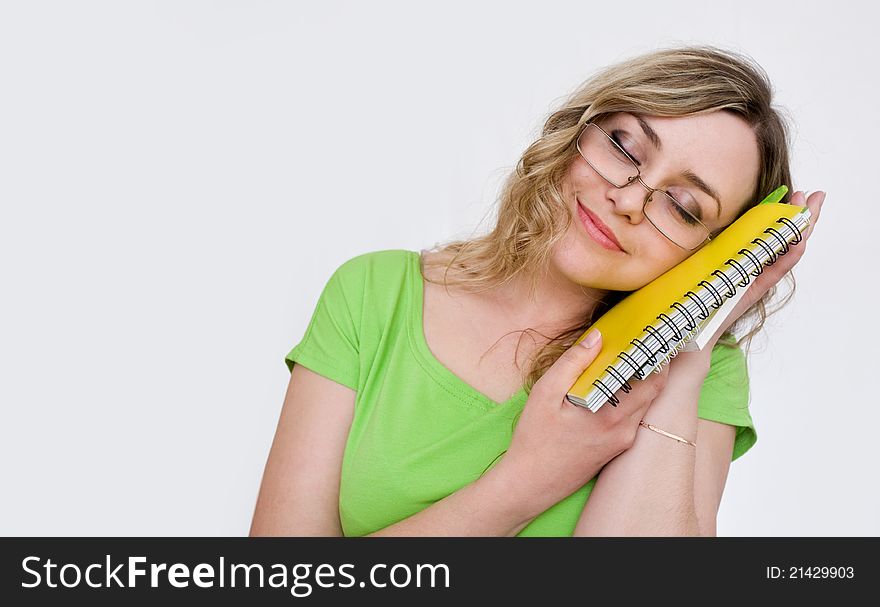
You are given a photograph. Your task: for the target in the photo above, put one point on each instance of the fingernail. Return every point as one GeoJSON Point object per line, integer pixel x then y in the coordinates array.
{"type": "Point", "coordinates": [591, 339]}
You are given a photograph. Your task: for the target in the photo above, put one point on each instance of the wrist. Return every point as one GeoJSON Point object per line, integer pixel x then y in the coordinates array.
{"type": "Point", "coordinates": [520, 497]}
{"type": "Point", "coordinates": [675, 408]}
{"type": "Point", "coordinates": [691, 364]}
{"type": "Point", "coordinates": [511, 496]}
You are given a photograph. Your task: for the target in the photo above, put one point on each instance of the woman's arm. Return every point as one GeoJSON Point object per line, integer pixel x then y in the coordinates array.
{"type": "Point", "coordinates": [299, 493]}
{"type": "Point", "coordinates": [493, 505]}
{"type": "Point", "coordinates": [714, 451]}
{"type": "Point", "coordinates": [650, 488]}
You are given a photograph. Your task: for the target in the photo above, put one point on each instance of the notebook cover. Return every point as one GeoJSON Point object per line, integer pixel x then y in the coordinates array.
{"type": "Point", "coordinates": [628, 319]}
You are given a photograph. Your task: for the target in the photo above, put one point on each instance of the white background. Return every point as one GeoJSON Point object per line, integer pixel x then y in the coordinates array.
{"type": "Point", "coordinates": [179, 179]}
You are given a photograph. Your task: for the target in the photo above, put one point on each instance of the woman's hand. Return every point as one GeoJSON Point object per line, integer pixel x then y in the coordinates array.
{"type": "Point", "coordinates": [557, 446]}
{"type": "Point", "coordinates": [774, 273]}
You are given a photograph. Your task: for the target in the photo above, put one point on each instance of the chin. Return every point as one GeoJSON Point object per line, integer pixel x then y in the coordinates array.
{"type": "Point", "coordinates": [581, 264]}
{"type": "Point", "coordinates": [617, 279]}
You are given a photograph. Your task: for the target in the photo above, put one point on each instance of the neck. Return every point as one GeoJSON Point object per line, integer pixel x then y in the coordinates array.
{"type": "Point", "coordinates": [558, 303]}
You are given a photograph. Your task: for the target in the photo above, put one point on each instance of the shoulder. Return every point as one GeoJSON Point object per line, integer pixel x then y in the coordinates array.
{"type": "Point", "coordinates": [375, 285]}
{"type": "Point", "coordinates": [725, 394]}
{"type": "Point", "coordinates": [374, 267]}
{"type": "Point", "coordinates": [728, 364]}
{"type": "Point", "coordinates": [361, 284]}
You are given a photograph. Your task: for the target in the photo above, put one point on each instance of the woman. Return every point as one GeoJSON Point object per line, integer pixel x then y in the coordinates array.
{"type": "Point", "coordinates": [408, 411]}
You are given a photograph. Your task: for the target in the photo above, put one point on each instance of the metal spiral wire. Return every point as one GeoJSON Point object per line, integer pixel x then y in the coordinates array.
{"type": "Point", "coordinates": [668, 348]}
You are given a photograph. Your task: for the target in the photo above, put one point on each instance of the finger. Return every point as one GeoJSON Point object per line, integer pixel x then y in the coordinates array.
{"type": "Point", "coordinates": [799, 199]}
{"type": "Point", "coordinates": [562, 375]}
{"type": "Point", "coordinates": [814, 204]}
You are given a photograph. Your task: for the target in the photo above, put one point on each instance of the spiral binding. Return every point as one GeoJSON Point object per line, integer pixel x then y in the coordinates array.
{"type": "Point", "coordinates": [675, 350]}
{"type": "Point", "coordinates": [662, 341]}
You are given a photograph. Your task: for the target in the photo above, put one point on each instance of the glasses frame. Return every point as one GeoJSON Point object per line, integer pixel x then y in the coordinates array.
{"type": "Point", "coordinates": [638, 177]}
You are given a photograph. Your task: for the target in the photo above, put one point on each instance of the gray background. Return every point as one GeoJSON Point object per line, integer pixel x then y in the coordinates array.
{"type": "Point", "coordinates": [179, 179]}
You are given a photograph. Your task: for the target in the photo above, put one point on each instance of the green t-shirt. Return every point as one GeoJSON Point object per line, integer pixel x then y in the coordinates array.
{"type": "Point", "coordinates": [420, 432]}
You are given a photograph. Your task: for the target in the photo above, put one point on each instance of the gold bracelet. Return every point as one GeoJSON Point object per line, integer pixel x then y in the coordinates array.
{"type": "Point", "coordinates": [665, 433]}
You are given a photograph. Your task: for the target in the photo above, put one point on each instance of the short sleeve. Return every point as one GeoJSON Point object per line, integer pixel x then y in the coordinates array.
{"type": "Point", "coordinates": [724, 396]}
{"type": "Point", "coordinates": [330, 345]}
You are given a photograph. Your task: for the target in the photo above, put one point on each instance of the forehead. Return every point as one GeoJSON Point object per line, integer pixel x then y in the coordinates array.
{"type": "Point", "coordinates": [719, 146]}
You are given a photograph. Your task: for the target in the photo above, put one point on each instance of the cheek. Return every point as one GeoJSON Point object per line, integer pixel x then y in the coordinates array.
{"type": "Point", "coordinates": [657, 258]}
{"type": "Point", "coordinates": [643, 265]}
{"type": "Point", "coordinates": [597, 271]}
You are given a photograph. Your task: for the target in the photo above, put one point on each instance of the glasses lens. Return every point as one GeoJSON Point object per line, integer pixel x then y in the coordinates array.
{"type": "Point", "coordinates": [675, 221]}
{"type": "Point", "coordinates": [606, 157]}
{"type": "Point", "coordinates": [611, 162]}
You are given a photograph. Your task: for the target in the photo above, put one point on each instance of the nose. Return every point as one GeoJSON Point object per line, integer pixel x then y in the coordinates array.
{"type": "Point", "coordinates": [629, 200]}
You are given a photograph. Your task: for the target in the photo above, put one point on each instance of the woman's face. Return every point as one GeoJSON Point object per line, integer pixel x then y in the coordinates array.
{"type": "Point", "coordinates": [719, 148]}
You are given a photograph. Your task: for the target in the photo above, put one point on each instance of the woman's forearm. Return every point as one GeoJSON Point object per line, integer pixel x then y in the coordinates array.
{"type": "Point", "coordinates": [648, 490]}
{"type": "Point", "coordinates": [493, 505]}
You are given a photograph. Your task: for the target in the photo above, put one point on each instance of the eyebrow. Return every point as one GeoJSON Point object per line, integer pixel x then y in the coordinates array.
{"type": "Point", "coordinates": [688, 174]}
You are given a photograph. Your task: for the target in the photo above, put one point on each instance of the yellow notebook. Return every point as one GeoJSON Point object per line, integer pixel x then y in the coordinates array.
{"type": "Point", "coordinates": [683, 307]}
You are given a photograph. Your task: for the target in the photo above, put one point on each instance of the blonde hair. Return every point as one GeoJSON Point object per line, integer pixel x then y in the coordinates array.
{"type": "Point", "coordinates": [533, 215]}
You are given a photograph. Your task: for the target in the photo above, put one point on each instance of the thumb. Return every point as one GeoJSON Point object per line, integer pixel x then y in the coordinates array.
{"type": "Point", "coordinates": [568, 367]}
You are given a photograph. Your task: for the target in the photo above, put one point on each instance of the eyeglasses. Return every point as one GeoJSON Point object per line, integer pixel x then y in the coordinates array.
{"type": "Point", "coordinates": [616, 166]}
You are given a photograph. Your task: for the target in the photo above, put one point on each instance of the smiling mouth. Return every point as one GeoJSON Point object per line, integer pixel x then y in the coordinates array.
{"type": "Point", "coordinates": [596, 230]}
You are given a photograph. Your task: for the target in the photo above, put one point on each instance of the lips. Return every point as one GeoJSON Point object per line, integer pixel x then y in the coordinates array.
{"type": "Point", "coordinates": [605, 230]}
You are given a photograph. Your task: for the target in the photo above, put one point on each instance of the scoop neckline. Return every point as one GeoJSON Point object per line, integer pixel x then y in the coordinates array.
{"type": "Point", "coordinates": [443, 375]}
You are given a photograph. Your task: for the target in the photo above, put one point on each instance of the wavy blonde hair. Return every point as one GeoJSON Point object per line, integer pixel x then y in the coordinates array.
{"type": "Point", "coordinates": [533, 215]}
